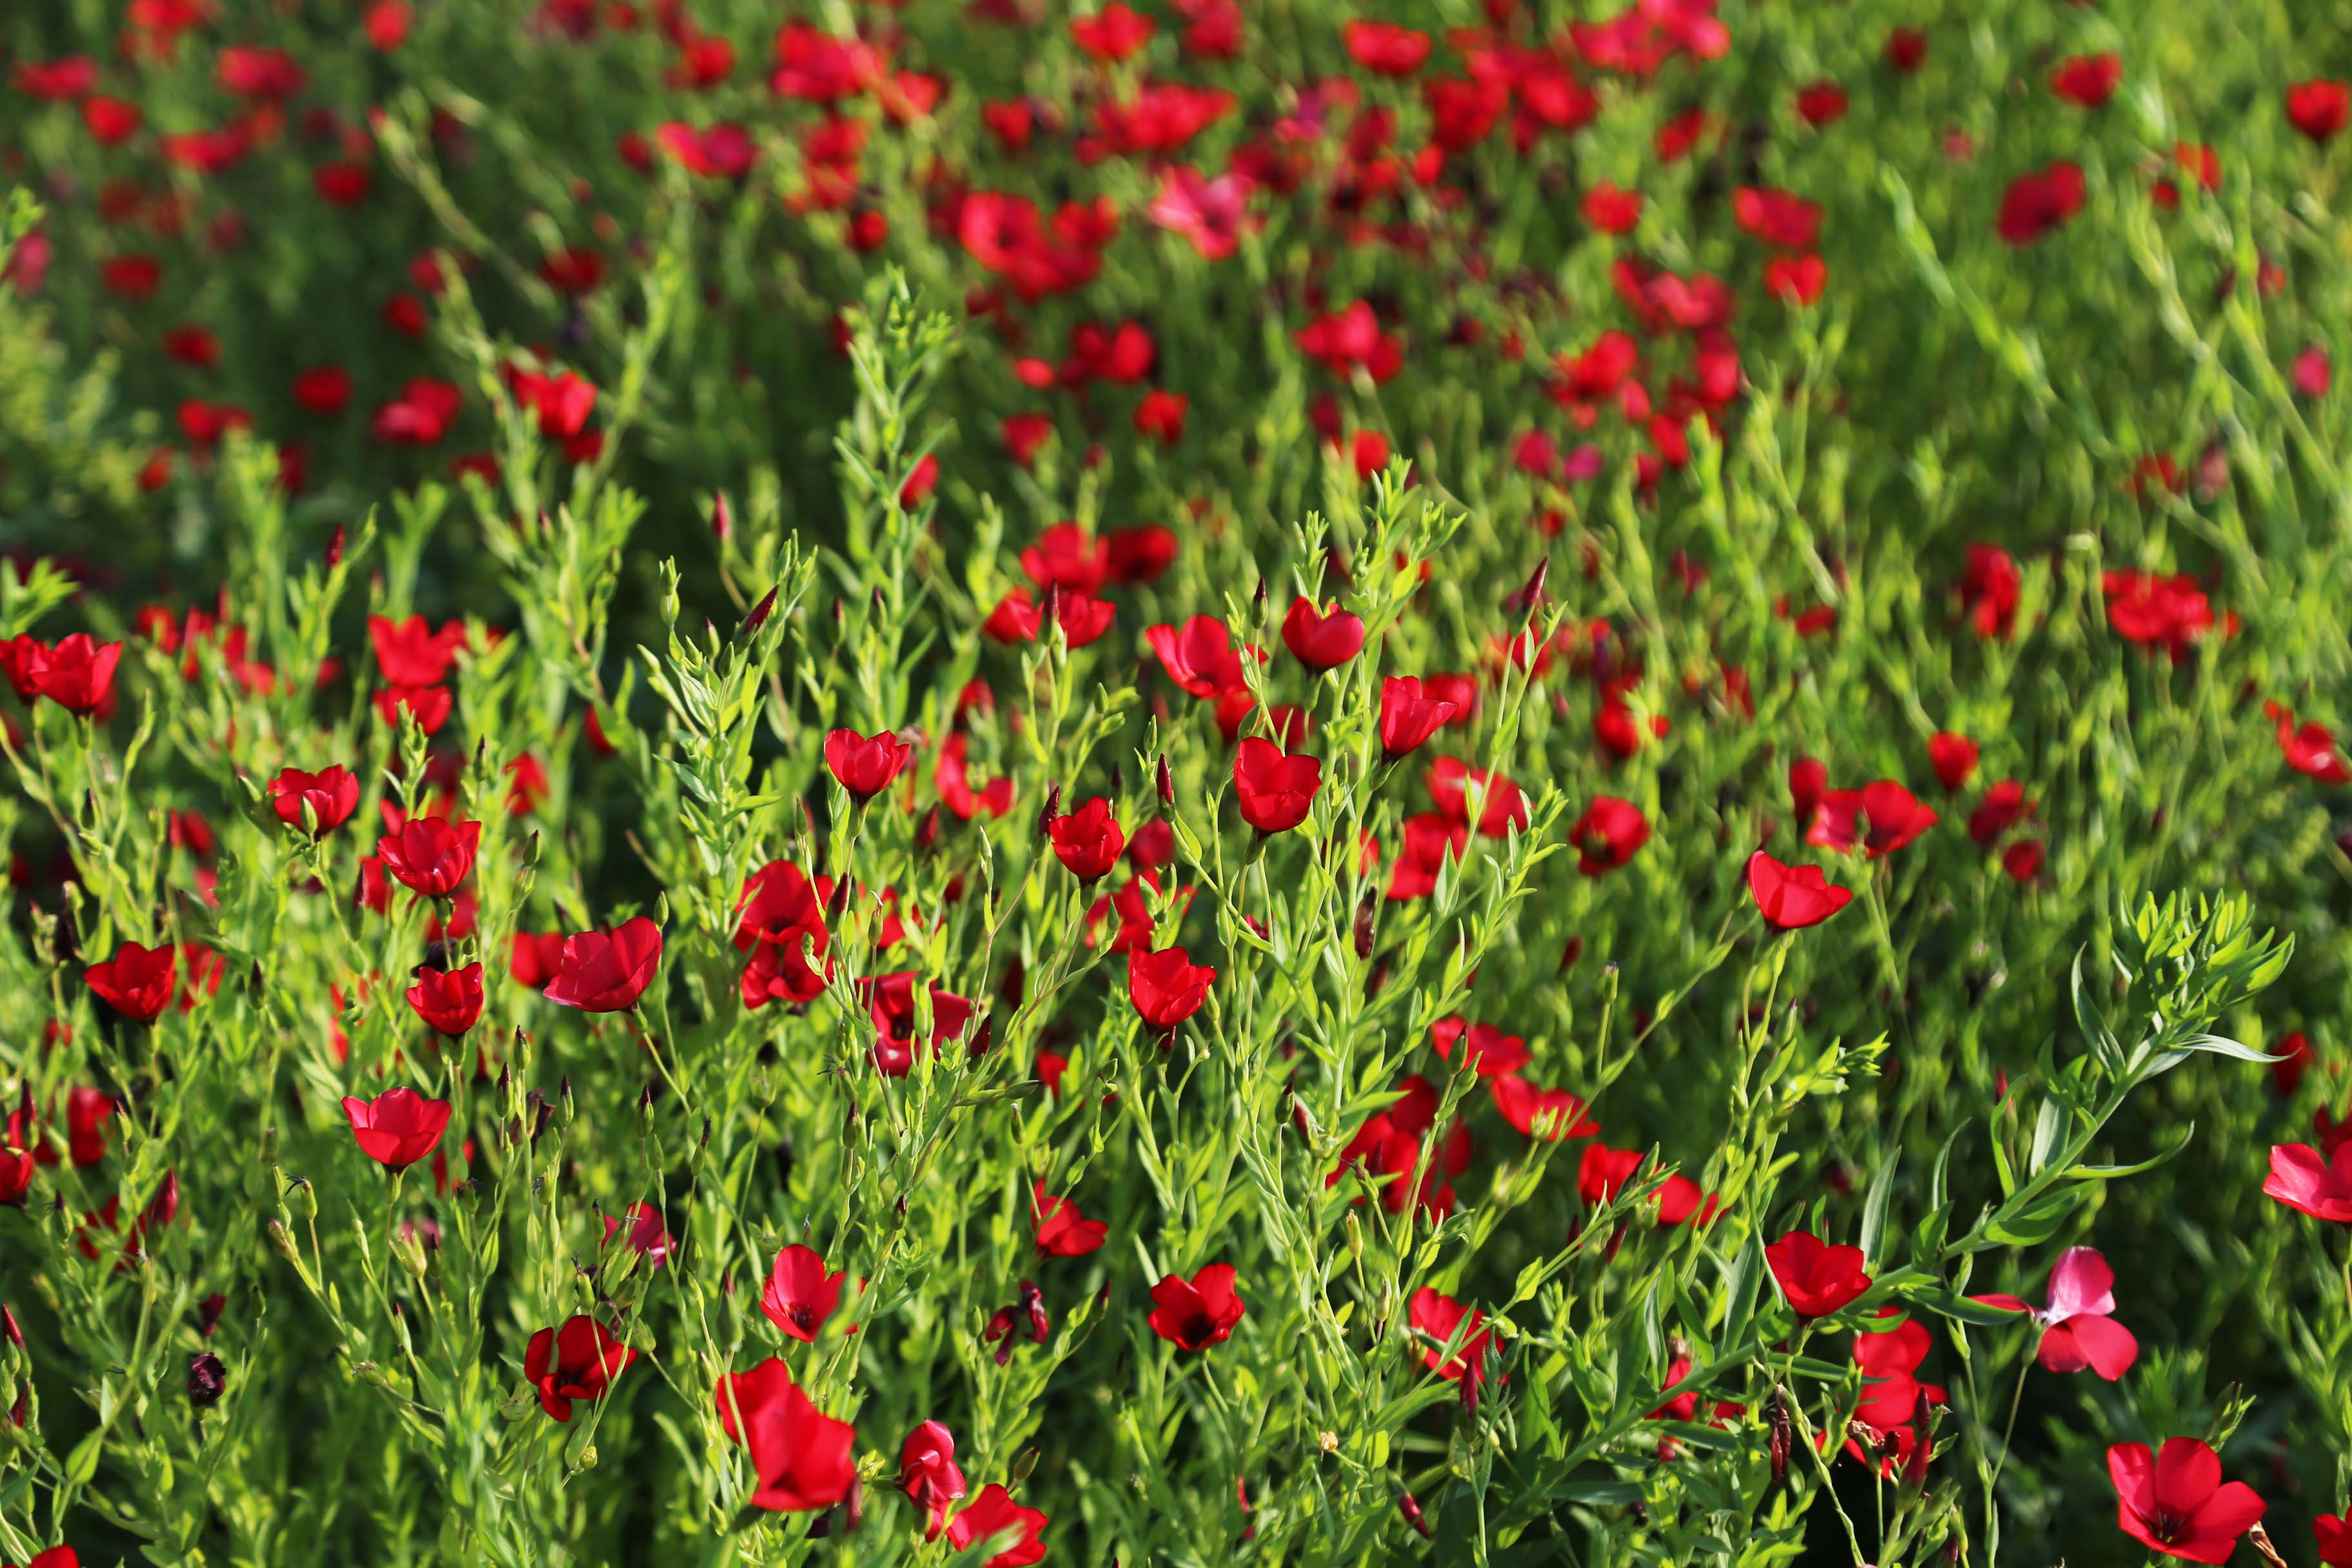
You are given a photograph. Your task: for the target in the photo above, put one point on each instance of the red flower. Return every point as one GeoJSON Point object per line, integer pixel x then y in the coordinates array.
{"type": "Point", "coordinates": [449, 1001]}
{"type": "Point", "coordinates": [720, 151]}
{"type": "Point", "coordinates": [2087, 79]}
{"type": "Point", "coordinates": [1087, 841]}
{"type": "Point", "coordinates": [2003, 807]}
{"type": "Point", "coordinates": [2331, 1532]}
{"type": "Point", "coordinates": [1501, 807]}
{"type": "Point", "coordinates": [890, 1003]}
{"type": "Point", "coordinates": [57, 81]}
{"type": "Point", "coordinates": [2304, 1179]}
{"type": "Point", "coordinates": [1408, 717]}
{"type": "Point", "coordinates": [78, 674]}
{"type": "Point", "coordinates": [1608, 835]}
{"type": "Point", "coordinates": [1818, 1279]}
{"type": "Point", "coordinates": [1553, 1115]}
{"type": "Point", "coordinates": [782, 919]}
{"type": "Point", "coordinates": [56, 1556]}
{"type": "Point", "coordinates": [814, 65]}
{"type": "Point", "coordinates": [606, 972]}
{"type": "Point", "coordinates": [2311, 750]}
{"type": "Point", "coordinates": [1610, 210]}
{"type": "Point", "coordinates": [1792, 897]}
{"type": "Point", "coordinates": [2148, 610]}
{"type": "Point", "coordinates": [1319, 640]}
{"type": "Point", "coordinates": [865, 765]}
{"type": "Point", "coordinates": [428, 856]}
{"type": "Point", "coordinates": [1954, 758]}
{"type": "Point", "coordinates": [316, 802]}
{"type": "Point", "coordinates": [953, 774]}
{"type": "Point", "coordinates": [1436, 1317]}
{"type": "Point", "coordinates": [1113, 33]}
{"type": "Point", "coordinates": [1384, 49]}
{"type": "Point", "coordinates": [2177, 1502]}
{"type": "Point", "coordinates": [1988, 588]}
{"type": "Point", "coordinates": [411, 653]}
{"type": "Point", "coordinates": [1200, 656]}
{"type": "Point", "coordinates": [2319, 108]}
{"type": "Point", "coordinates": [427, 705]}
{"type": "Point", "coordinates": [1274, 788]}
{"type": "Point", "coordinates": [803, 1458]}
{"type": "Point", "coordinates": [1062, 1230]}
{"type": "Point", "coordinates": [578, 1361]}
{"type": "Point", "coordinates": [2037, 203]}
{"type": "Point", "coordinates": [1880, 817]}
{"type": "Point", "coordinates": [1796, 279]}
{"type": "Point", "coordinates": [399, 1127]}
{"type": "Point", "coordinates": [1485, 1050]}
{"type": "Point", "coordinates": [1193, 1314]}
{"type": "Point", "coordinates": [801, 1295]}
{"type": "Point", "coordinates": [1779, 218]}
{"type": "Point", "coordinates": [928, 1474]}
{"type": "Point", "coordinates": [1166, 986]}
{"type": "Point", "coordinates": [137, 982]}
{"type": "Point", "coordinates": [993, 1516]}
{"type": "Point", "coordinates": [1820, 104]}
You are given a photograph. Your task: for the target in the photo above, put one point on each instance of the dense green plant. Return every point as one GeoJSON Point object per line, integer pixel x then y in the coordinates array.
{"type": "Point", "coordinates": [741, 526]}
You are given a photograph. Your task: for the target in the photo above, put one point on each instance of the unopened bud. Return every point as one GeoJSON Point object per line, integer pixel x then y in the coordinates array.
{"type": "Point", "coordinates": [1167, 782]}
{"type": "Point", "coordinates": [760, 613]}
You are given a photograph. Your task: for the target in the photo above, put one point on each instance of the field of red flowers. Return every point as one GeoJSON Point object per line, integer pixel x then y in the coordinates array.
{"type": "Point", "coordinates": [1487, 782]}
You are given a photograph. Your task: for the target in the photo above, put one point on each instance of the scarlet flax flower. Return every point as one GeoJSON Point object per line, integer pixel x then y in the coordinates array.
{"type": "Point", "coordinates": [137, 982]}
{"type": "Point", "coordinates": [1087, 841]}
{"type": "Point", "coordinates": [803, 1458]}
{"type": "Point", "coordinates": [1193, 1314]}
{"type": "Point", "coordinates": [449, 1001]}
{"type": "Point", "coordinates": [865, 765]}
{"type": "Point", "coordinates": [1410, 715]}
{"type": "Point", "coordinates": [928, 1475]}
{"type": "Point", "coordinates": [2079, 1329]}
{"type": "Point", "coordinates": [430, 856]}
{"type": "Point", "coordinates": [1166, 987]}
{"type": "Point", "coordinates": [1274, 788]}
{"type": "Point", "coordinates": [1062, 1230]}
{"type": "Point", "coordinates": [2176, 1503]}
{"type": "Point", "coordinates": [607, 972]}
{"type": "Point", "coordinates": [801, 1295]}
{"type": "Point", "coordinates": [993, 1516]}
{"type": "Point", "coordinates": [1792, 897]}
{"type": "Point", "coordinates": [578, 1361]}
{"type": "Point", "coordinates": [397, 1128]}
{"type": "Point", "coordinates": [317, 803]}
{"type": "Point", "coordinates": [1817, 1278]}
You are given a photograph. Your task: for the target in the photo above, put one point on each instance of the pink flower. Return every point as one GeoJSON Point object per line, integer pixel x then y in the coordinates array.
{"type": "Point", "coordinates": [2080, 1329]}
{"type": "Point", "coordinates": [2303, 1178]}
{"type": "Point", "coordinates": [1211, 212]}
